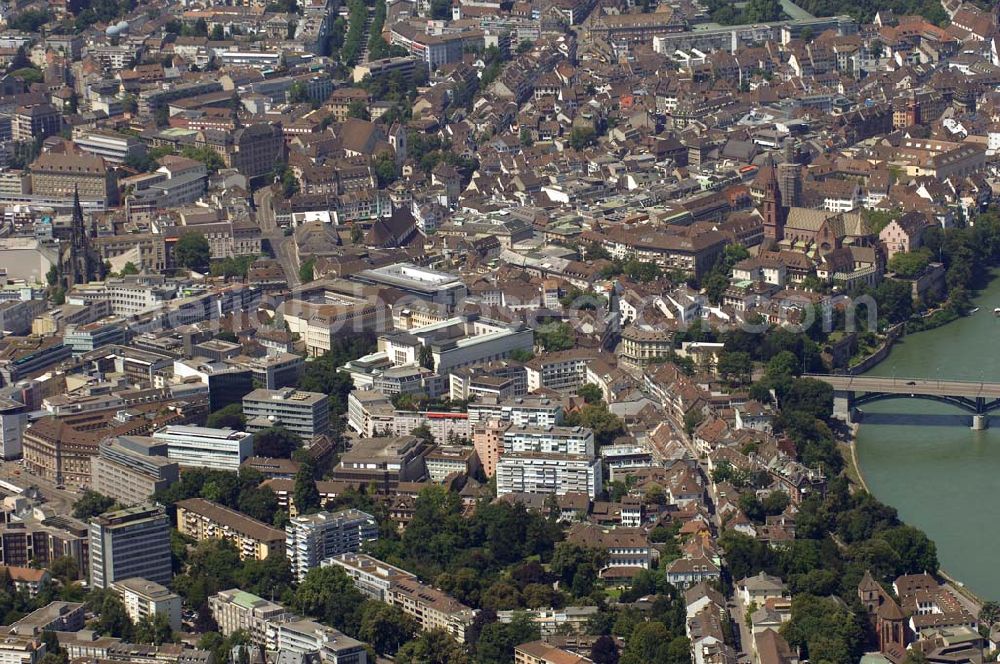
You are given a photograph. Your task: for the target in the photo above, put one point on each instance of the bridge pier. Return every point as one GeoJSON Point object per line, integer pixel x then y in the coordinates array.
{"type": "Point", "coordinates": [980, 422]}
{"type": "Point", "coordinates": [843, 404]}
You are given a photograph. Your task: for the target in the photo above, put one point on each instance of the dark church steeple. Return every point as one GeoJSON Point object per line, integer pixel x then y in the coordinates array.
{"type": "Point", "coordinates": [83, 265]}
{"type": "Point", "coordinates": [771, 207]}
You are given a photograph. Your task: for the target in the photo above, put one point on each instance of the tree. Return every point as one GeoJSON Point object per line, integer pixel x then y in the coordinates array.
{"type": "Point", "coordinates": [276, 442]}
{"type": "Point", "coordinates": [591, 393]}
{"type": "Point", "coordinates": [604, 650]}
{"type": "Point", "coordinates": [582, 137]}
{"type": "Point", "coordinates": [433, 647]}
{"type": "Point", "coordinates": [826, 630]}
{"type": "Point", "coordinates": [307, 270]}
{"type": "Point", "coordinates": [555, 336]}
{"type": "Point", "coordinates": [192, 252]}
{"type": "Point", "coordinates": [762, 11]}
{"type": "Point", "coordinates": [218, 33]}
{"type": "Point", "coordinates": [112, 619]}
{"type": "Point", "coordinates": [497, 641]}
{"type": "Point", "coordinates": [306, 493]}
{"type": "Point", "coordinates": [734, 366]}
{"type": "Point", "coordinates": [385, 170]}
{"type": "Point", "coordinates": [989, 614]}
{"type": "Point", "coordinates": [894, 300]}
{"type": "Point", "coordinates": [206, 155]}
{"type": "Point", "coordinates": [129, 268]}
{"type": "Point", "coordinates": [385, 627]}
{"type": "Point", "coordinates": [91, 504]}
{"type": "Point", "coordinates": [230, 416]}
{"type": "Point", "coordinates": [154, 630]}
{"type": "Point", "coordinates": [910, 264]}
{"type": "Point", "coordinates": [595, 416]}
{"type": "Point", "coordinates": [329, 594]}
{"type": "Point", "coordinates": [358, 109]}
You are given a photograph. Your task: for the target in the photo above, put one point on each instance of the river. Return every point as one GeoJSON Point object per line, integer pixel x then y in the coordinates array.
{"type": "Point", "coordinates": [942, 477]}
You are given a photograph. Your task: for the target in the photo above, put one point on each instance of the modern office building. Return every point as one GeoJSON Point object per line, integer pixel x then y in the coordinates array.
{"type": "Point", "coordinates": [13, 415]}
{"type": "Point", "coordinates": [236, 610]}
{"type": "Point", "coordinates": [85, 338]}
{"type": "Point", "coordinates": [550, 440]}
{"type": "Point", "coordinates": [304, 413]}
{"type": "Point", "coordinates": [130, 469]}
{"type": "Point", "coordinates": [311, 538]}
{"type": "Point", "coordinates": [534, 472]}
{"type": "Point", "coordinates": [144, 599]}
{"type": "Point", "coordinates": [202, 519]}
{"type": "Point", "coordinates": [133, 542]}
{"type": "Point", "coordinates": [203, 447]}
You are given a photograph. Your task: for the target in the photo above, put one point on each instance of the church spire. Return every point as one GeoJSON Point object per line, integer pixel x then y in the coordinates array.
{"type": "Point", "coordinates": [772, 208]}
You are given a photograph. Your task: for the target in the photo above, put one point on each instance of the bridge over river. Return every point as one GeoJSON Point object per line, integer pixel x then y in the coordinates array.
{"type": "Point", "coordinates": [850, 392]}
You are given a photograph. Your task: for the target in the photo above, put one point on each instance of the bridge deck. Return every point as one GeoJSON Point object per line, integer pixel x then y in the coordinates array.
{"type": "Point", "coordinates": [923, 386]}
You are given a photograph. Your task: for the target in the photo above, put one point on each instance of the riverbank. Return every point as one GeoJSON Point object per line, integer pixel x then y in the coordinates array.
{"type": "Point", "coordinates": [934, 471]}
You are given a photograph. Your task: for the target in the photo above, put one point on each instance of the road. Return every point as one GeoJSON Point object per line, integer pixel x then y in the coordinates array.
{"type": "Point", "coordinates": [738, 612]}
{"type": "Point", "coordinates": [60, 500]}
{"type": "Point", "coordinates": [281, 244]}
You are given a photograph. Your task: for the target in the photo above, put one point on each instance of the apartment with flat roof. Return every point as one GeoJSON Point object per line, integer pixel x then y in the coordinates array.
{"type": "Point", "coordinates": [144, 599]}
{"type": "Point", "coordinates": [430, 607]}
{"type": "Point", "coordinates": [559, 474]}
{"type": "Point", "coordinates": [550, 440]}
{"type": "Point", "coordinates": [312, 537]}
{"type": "Point", "coordinates": [307, 637]}
{"type": "Point", "coordinates": [304, 413]}
{"type": "Point", "coordinates": [237, 610]}
{"type": "Point", "coordinates": [202, 519]}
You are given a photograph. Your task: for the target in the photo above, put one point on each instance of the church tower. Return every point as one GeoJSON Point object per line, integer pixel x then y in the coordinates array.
{"type": "Point", "coordinates": [771, 207]}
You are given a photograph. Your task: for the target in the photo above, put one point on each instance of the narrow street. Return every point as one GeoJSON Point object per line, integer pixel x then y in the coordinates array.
{"type": "Point", "coordinates": [281, 245]}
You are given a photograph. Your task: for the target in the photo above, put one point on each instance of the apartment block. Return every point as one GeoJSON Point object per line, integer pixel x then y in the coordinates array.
{"type": "Point", "coordinates": [304, 413]}
{"type": "Point", "coordinates": [306, 637]}
{"type": "Point", "coordinates": [133, 542]}
{"type": "Point", "coordinates": [550, 440]}
{"type": "Point", "coordinates": [559, 474]}
{"type": "Point", "coordinates": [430, 607]}
{"type": "Point", "coordinates": [202, 519]}
{"type": "Point", "coordinates": [530, 410]}
{"type": "Point", "coordinates": [144, 599]}
{"type": "Point", "coordinates": [236, 610]}
{"type": "Point", "coordinates": [311, 538]}
{"type": "Point", "coordinates": [204, 447]}
{"type": "Point", "coordinates": [487, 439]}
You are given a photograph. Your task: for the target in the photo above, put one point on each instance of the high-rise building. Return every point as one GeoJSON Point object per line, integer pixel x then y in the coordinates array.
{"type": "Point", "coordinates": [311, 538]}
{"type": "Point", "coordinates": [129, 543]}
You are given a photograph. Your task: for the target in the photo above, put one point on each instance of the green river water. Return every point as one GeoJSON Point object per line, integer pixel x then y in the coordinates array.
{"type": "Point", "coordinates": [921, 457]}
